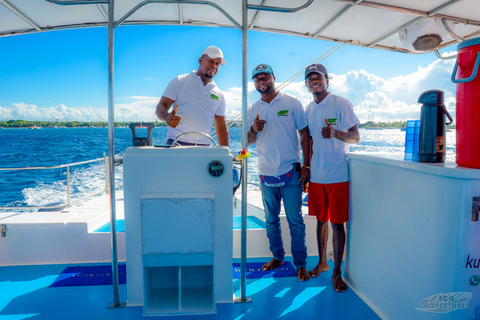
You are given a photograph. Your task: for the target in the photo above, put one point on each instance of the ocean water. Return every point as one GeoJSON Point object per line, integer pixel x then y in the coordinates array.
{"type": "Point", "coordinates": [53, 147]}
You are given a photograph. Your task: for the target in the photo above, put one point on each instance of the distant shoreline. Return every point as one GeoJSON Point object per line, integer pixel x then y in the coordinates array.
{"type": "Point", "coordinates": [23, 124]}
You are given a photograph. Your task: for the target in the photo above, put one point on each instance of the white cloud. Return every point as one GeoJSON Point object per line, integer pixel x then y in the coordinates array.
{"type": "Point", "coordinates": [137, 108]}
{"type": "Point", "coordinates": [234, 101]}
{"type": "Point", "coordinates": [373, 98]}
{"type": "Point", "coordinates": [379, 107]}
{"type": "Point", "coordinates": [298, 90]}
{"type": "Point", "coordinates": [434, 76]}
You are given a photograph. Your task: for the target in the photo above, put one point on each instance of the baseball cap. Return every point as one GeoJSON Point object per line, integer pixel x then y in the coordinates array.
{"type": "Point", "coordinates": [214, 53]}
{"type": "Point", "coordinates": [316, 67]}
{"type": "Point", "coordinates": [262, 68]}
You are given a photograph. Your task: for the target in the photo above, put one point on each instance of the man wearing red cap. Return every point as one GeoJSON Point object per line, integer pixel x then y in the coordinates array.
{"type": "Point", "coordinates": [198, 102]}
{"type": "Point", "coordinates": [333, 126]}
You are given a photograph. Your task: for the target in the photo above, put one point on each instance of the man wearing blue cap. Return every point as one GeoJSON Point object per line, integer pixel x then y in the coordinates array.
{"type": "Point", "coordinates": [274, 121]}
{"type": "Point", "coordinates": [197, 101]}
{"type": "Point", "coordinates": [333, 126]}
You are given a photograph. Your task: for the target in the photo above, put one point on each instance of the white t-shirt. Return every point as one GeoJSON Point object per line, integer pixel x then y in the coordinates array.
{"type": "Point", "coordinates": [329, 162]}
{"type": "Point", "coordinates": [277, 144]}
{"type": "Point", "coordinates": [197, 105]}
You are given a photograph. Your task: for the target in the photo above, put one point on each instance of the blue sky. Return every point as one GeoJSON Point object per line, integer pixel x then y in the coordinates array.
{"type": "Point", "coordinates": [63, 74]}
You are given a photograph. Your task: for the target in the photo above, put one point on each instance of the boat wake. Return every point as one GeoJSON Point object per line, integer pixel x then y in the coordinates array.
{"type": "Point", "coordinates": [83, 181]}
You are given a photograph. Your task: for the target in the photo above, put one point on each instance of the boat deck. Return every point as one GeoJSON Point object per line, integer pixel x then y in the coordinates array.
{"type": "Point", "coordinates": [25, 294]}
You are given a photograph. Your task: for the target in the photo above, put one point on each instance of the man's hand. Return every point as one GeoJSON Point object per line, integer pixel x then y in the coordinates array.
{"type": "Point", "coordinates": [304, 177]}
{"type": "Point", "coordinates": [328, 132]}
{"type": "Point", "coordinates": [258, 124]}
{"type": "Point", "coordinates": [172, 119]}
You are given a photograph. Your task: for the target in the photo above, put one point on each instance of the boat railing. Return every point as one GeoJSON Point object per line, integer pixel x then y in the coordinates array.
{"type": "Point", "coordinates": [69, 202]}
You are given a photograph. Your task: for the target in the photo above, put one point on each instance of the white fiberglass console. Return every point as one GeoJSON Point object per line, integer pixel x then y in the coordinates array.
{"type": "Point", "coordinates": [178, 228]}
{"type": "Point", "coordinates": [414, 237]}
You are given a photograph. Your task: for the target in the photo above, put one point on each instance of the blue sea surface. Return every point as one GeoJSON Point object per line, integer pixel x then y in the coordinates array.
{"type": "Point", "coordinates": [54, 146]}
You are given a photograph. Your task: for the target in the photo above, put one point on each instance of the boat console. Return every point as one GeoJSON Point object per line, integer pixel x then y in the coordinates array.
{"type": "Point", "coordinates": [178, 228]}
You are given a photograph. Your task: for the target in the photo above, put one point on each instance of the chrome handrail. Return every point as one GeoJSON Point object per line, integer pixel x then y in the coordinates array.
{"type": "Point", "coordinates": [52, 167]}
{"type": "Point", "coordinates": [69, 202]}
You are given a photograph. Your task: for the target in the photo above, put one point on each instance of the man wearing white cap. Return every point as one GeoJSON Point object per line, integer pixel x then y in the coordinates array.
{"type": "Point", "coordinates": [333, 126]}
{"type": "Point", "coordinates": [197, 103]}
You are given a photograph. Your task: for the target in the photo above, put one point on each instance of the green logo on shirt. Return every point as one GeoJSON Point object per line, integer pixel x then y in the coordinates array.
{"type": "Point", "coordinates": [282, 113]}
{"type": "Point", "coordinates": [214, 97]}
{"type": "Point", "coordinates": [332, 121]}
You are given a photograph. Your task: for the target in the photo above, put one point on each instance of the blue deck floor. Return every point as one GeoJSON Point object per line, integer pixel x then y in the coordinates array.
{"type": "Point", "coordinates": [252, 223]}
{"type": "Point", "coordinates": [25, 294]}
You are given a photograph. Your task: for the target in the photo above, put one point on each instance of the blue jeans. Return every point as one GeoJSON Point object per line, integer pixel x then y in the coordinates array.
{"type": "Point", "coordinates": [292, 202]}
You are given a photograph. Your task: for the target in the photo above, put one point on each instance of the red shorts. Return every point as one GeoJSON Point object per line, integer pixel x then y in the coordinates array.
{"type": "Point", "coordinates": [328, 201]}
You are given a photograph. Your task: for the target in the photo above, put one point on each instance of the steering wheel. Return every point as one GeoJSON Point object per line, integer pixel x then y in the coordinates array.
{"type": "Point", "coordinates": [195, 133]}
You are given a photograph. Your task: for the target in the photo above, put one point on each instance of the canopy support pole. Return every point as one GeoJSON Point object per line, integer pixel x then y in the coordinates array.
{"type": "Point", "coordinates": [243, 265]}
{"type": "Point", "coordinates": [111, 161]}
{"type": "Point", "coordinates": [243, 248]}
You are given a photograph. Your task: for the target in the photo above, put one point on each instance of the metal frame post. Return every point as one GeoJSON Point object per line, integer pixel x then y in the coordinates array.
{"type": "Point", "coordinates": [243, 264]}
{"type": "Point", "coordinates": [111, 160]}
{"type": "Point", "coordinates": [68, 186]}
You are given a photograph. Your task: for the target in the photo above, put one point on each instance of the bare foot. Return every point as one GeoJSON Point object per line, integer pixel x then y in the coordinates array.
{"type": "Point", "coordinates": [272, 264]}
{"type": "Point", "coordinates": [338, 284]}
{"type": "Point", "coordinates": [315, 272]}
{"type": "Point", "coordinates": [302, 274]}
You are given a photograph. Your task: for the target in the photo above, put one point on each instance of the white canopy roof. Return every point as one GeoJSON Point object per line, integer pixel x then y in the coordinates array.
{"type": "Point", "coordinates": [374, 24]}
